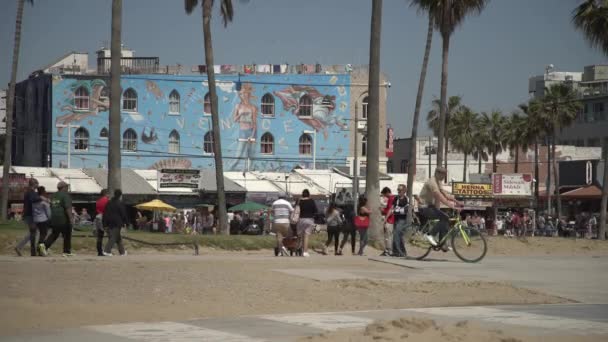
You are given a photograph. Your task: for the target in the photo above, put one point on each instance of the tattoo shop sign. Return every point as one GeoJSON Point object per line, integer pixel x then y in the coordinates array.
{"type": "Point", "coordinates": [178, 178]}
{"type": "Point", "coordinates": [512, 184]}
{"type": "Point", "coordinates": [472, 190]}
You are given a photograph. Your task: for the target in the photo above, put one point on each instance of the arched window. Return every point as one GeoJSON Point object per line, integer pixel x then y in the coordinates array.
{"type": "Point", "coordinates": [208, 143]}
{"type": "Point", "coordinates": [305, 144]}
{"type": "Point", "coordinates": [104, 134]}
{"type": "Point", "coordinates": [174, 142]}
{"type": "Point", "coordinates": [268, 105]}
{"type": "Point", "coordinates": [129, 140]}
{"type": "Point", "coordinates": [81, 98]}
{"type": "Point", "coordinates": [129, 100]}
{"type": "Point", "coordinates": [364, 146]}
{"type": "Point", "coordinates": [364, 104]}
{"type": "Point", "coordinates": [81, 139]}
{"type": "Point", "coordinates": [207, 104]}
{"type": "Point", "coordinates": [174, 102]}
{"type": "Point", "coordinates": [267, 143]}
{"type": "Point", "coordinates": [305, 106]}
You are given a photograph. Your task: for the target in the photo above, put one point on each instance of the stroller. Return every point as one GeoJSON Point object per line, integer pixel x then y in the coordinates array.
{"type": "Point", "coordinates": [291, 243]}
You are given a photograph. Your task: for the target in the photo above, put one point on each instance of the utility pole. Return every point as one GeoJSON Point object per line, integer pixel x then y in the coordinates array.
{"type": "Point", "coordinates": [356, 159]}
{"type": "Point", "coordinates": [69, 127]}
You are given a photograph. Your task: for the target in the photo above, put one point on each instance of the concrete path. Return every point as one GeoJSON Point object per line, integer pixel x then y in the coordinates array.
{"type": "Point", "coordinates": [570, 319]}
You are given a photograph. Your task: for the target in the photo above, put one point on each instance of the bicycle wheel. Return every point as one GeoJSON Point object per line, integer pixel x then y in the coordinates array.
{"type": "Point", "coordinates": [417, 246]}
{"type": "Point", "coordinates": [469, 245]}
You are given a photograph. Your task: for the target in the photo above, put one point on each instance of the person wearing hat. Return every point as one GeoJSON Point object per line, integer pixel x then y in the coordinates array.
{"type": "Point", "coordinates": [432, 196]}
{"type": "Point", "coordinates": [245, 114]}
{"type": "Point", "coordinates": [61, 219]}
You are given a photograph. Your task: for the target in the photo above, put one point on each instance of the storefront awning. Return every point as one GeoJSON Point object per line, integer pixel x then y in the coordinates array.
{"type": "Point", "coordinates": [585, 192]}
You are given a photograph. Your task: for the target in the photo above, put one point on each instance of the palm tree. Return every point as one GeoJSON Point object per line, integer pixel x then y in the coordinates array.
{"type": "Point", "coordinates": [519, 134]}
{"type": "Point", "coordinates": [592, 18]}
{"type": "Point", "coordinates": [448, 15]}
{"type": "Point", "coordinates": [454, 105]}
{"type": "Point", "coordinates": [557, 109]}
{"type": "Point", "coordinates": [533, 131]}
{"type": "Point", "coordinates": [227, 13]}
{"type": "Point", "coordinates": [10, 102]}
{"type": "Point", "coordinates": [462, 130]}
{"type": "Point", "coordinates": [372, 179]}
{"type": "Point", "coordinates": [114, 154]}
{"type": "Point", "coordinates": [411, 171]}
{"type": "Point", "coordinates": [494, 123]}
{"type": "Point", "coordinates": [481, 142]}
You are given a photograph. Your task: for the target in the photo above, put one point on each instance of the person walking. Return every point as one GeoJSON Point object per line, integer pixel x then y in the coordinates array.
{"type": "Point", "coordinates": [42, 218]}
{"type": "Point", "coordinates": [61, 219]}
{"type": "Point", "coordinates": [29, 198]}
{"type": "Point", "coordinates": [280, 211]}
{"type": "Point", "coordinates": [389, 220]}
{"type": "Point", "coordinates": [362, 223]}
{"type": "Point", "coordinates": [399, 210]}
{"type": "Point", "coordinates": [348, 229]}
{"type": "Point", "coordinates": [115, 217]}
{"type": "Point", "coordinates": [100, 208]}
{"type": "Point", "coordinates": [334, 222]}
{"type": "Point", "coordinates": [306, 222]}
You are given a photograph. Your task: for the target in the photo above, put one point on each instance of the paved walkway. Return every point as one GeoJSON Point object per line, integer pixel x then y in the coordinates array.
{"type": "Point", "coordinates": [570, 319]}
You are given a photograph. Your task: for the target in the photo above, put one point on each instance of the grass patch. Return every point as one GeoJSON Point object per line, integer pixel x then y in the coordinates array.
{"type": "Point", "coordinates": [84, 242]}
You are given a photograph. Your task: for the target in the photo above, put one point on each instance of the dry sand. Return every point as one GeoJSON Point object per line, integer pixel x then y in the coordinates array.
{"type": "Point", "coordinates": [423, 330]}
{"type": "Point", "coordinates": [537, 246]}
{"type": "Point", "coordinates": [43, 293]}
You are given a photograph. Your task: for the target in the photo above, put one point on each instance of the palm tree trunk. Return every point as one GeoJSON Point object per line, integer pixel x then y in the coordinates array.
{"type": "Point", "coordinates": [479, 161]}
{"type": "Point", "coordinates": [447, 142]}
{"type": "Point", "coordinates": [10, 102]}
{"type": "Point", "coordinates": [464, 169]}
{"type": "Point", "coordinates": [494, 162]}
{"type": "Point", "coordinates": [536, 171]}
{"type": "Point", "coordinates": [603, 206]}
{"type": "Point", "coordinates": [114, 153]}
{"type": "Point", "coordinates": [516, 166]}
{"type": "Point", "coordinates": [444, 97]}
{"type": "Point", "coordinates": [411, 172]}
{"type": "Point", "coordinates": [372, 187]}
{"type": "Point", "coordinates": [215, 122]}
{"type": "Point", "coordinates": [548, 185]}
{"type": "Point", "coordinates": [558, 196]}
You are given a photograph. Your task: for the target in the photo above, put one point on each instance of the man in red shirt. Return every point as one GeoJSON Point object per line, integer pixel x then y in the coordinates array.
{"type": "Point", "coordinates": [389, 220]}
{"type": "Point", "coordinates": [100, 208]}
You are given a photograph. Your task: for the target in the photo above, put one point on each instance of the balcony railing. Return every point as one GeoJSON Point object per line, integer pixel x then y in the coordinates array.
{"type": "Point", "coordinates": [130, 65]}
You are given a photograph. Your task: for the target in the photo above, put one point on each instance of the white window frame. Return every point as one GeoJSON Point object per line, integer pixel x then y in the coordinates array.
{"type": "Point", "coordinates": [308, 143]}
{"type": "Point", "coordinates": [308, 106]}
{"type": "Point", "coordinates": [81, 138]}
{"type": "Point", "coordinates": [174, 142]}
{"type": "Point", "coordinates": [125, 143]}
{"type": "Point", "coordinates": [207, 100]}
{"type": "Point", "coordinates": [267, 105]}
{"type": "Point", "coordinates": [82, 97]}
{"type": "Point", "coordinates": [364, 108]}
{"type": "Point", "coordinates": [207, 142]}
{"type": "Point", "coordinates": [267, 139]}
{"type": "Point", "coordinates": [133, 110]}
{"type": "Point", "coordinates": [107, 131]}
{"type": "Point", "coordinates": [174, 101]}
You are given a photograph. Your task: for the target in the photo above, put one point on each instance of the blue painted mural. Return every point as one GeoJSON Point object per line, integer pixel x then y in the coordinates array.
{"type": "Point", "coordinates": [267, 121]}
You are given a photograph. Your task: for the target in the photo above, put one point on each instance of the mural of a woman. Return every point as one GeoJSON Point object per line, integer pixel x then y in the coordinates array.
{"type": "Point", "coordinates": [245, 114]}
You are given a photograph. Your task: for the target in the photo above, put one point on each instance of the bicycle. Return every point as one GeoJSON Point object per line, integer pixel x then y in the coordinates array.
{"type": "Point", "coordinates": [468, 243]}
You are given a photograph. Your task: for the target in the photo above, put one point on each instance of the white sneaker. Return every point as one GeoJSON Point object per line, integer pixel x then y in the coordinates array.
{"type": "Point", "coordinates": [284, 251]}
{"type": "Point", "coordinates": [107, 254]}
{"type": "Point", "coordinates": [431, 239]}
{"type": "Point", "coordinates": [124, 254]}
{"type": "Point", "coordinates": [305, 254]}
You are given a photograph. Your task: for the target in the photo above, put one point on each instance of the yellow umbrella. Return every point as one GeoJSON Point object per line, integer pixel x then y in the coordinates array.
{"type": "Point", "coordinates": [156, 205]}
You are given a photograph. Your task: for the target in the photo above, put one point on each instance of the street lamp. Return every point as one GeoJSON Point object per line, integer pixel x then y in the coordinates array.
{"type": "Point", "coordinates": [314, 150]}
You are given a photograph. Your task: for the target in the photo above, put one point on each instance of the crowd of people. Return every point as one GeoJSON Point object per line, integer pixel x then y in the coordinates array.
{"type": "Point", "coordinates": [344, 218]}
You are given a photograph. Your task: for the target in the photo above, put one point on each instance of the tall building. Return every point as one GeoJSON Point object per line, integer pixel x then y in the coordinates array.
{"type": "Point", "coordinates": [272, 117]}
{"type": "Point", "coordinates": [591, 125]}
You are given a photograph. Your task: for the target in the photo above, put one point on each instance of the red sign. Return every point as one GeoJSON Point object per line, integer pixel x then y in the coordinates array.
{"type": "Point", "coordinates": [390, 137]}
{"type": "Point", "coordinates": [17, 186]}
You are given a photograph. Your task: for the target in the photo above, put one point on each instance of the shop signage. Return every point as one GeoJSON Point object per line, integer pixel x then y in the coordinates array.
{"type": "Point", "coordinates": [477, 190]}
{"type": "Point", "coordinates": [17, 186]}
{"type": "Point", "coordinates": [178, 178]}
{"type": "Point", "coordinates": [512, 185]}
{"type": "Point", "coordinates": [390, 138]}
{"type": "Point", "coordinates": [477, 204]}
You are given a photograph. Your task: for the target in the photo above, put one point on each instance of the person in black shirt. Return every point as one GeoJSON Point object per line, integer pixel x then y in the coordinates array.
{"type": "Point", "coordinates": [115, 217]}
{"type": "Point", "coordinates": [306, 222]}
{"type": "Point", "coordinates": [400, 210]}
{"type": "Point", "coordinates": [31, 196]}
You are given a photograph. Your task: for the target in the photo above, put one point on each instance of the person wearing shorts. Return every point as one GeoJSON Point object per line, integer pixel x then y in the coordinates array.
{"type": "Point", "coordinates": [281, 211]}
{"type": "Point", "coordinates": [306, 223]}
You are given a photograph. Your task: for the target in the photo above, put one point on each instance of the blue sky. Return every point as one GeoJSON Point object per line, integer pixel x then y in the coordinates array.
{"type": "Point", "coordinates": [491, 58]}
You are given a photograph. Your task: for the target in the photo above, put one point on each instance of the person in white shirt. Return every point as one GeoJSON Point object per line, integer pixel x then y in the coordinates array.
{"type": "Point", "coordinates": [281, 212]}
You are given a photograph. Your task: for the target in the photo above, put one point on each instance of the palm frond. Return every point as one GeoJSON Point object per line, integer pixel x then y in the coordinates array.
{"type": "Point", "coordinates": [591, 17]}
{"type": "Point", "coordinates": [190, 5]}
